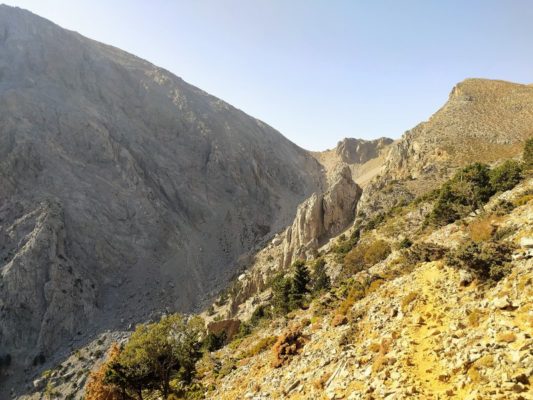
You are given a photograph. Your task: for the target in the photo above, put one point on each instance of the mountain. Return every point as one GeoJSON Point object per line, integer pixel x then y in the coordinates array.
{"type": "Point", "coordinates": [124, 191]}
{"type": "Point", "coordinates": [404, 328]}
{"type": "Point", "coordinates": [127, 194]}
{"type": "Point", "coordinates": [482, 121]}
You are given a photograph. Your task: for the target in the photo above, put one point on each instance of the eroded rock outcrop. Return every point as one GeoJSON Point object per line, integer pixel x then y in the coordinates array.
{"type": "Point", "coordinates": [359, 151]}
{"type": "Point", "coordinates": [46, 297]}
{"type": "Point", "coordinates": [322, 216]}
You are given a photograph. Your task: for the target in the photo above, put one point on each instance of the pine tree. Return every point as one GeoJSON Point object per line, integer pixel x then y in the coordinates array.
{"type": "Point", "coordinates": [281, 291]}
{"type": "Point", "coordinates": [300, 284]}
{"type": "Point", "coordinates": [321, 279]}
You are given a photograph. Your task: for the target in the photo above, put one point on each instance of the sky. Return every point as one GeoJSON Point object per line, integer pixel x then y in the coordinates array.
{"type": "Point", "coordinates": [317, 70]}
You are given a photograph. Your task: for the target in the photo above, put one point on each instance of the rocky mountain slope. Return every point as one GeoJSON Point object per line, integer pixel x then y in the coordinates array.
{"type": "Point", "coordinates": [124, 191]}
{"type": "Point", "coordinates": [411, 326]}
{"type": "Point", "coordinates": [483, 120]}
{"type": "Point", "coordinates": [411, 323]}
{"type": "Point", "coordinates": [391, 174]}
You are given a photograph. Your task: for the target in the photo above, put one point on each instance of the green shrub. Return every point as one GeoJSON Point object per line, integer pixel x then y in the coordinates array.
{"type": "Point", "coordinates": [468, 190]}
{"type": "Point", "coordinates": [528, 154]}
{"type": "Point", "coordinates": [488, 260]}
{"type": "Point", "coordinates": [405, 243]}
{"type": "Point", "coordinates": [503, 207]}
{"type": "Point", "coordinates": [344, 245]}
{"type": "Point", "coordinates": [375, 221]}
{"type": "Point", "coordinates": [321, 280]}
{"type": "Point", "coordinates": [366, 254]}
{"type": "Point", "coordinates": [424, 252]}
{"type": "Point", "coordinates": [261, 312]}
{"type": "Point", "coordinates": [214, 342]}
{"type": "Point", "coordinates": [506, 176]}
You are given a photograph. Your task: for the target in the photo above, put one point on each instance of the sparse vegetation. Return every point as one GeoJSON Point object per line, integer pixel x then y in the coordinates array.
{"type": "Point", "coordinates": [488, 260]}
{"type": "Point", "coordinates": [321, 280]}
{"type": "Point", "coordinates": [506, 176]}
{"type": "Point", "coordinates": [287, 345]}
{"type": "Point", "coordinates": [528, 154]}
{"type": "Point", "coordinates": [260, 346]}
{"type": "Point", "coordinates": [366, 254]}
{"type": "Point", "coordinates": [156, 354]}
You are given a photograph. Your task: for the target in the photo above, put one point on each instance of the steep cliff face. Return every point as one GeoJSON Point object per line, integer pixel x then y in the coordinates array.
{"type": "Point", "coordinates": [124, 191]}
{"type": "Point", "coordinates": [359, 151]}
{"type": "Point", "coordinates": [322, 216]}
{"type": "Point", "coordinates": [364, 157]}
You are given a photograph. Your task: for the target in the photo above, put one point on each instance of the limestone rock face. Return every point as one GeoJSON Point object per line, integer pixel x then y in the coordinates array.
{"type": "Point", "coordinates": [322, 216]}
{"type": "Point", "coordinates": [124, 191]}
{"type": "Point", "coordinates": [359, 151]}
{"type": "Point", "coordinates": [38, 278]}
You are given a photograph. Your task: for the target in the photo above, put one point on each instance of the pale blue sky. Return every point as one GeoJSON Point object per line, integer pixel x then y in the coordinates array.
{"type": "Point", "coordinates": [317, 70]}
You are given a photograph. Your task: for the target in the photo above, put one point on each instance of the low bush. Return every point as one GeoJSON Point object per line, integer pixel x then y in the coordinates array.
{"type": "Point", "coordinates": [405, 243]}
{"type": "Point", "coordinates": [424, 252]}
{"type": "Point", "coordinates": [214, 342]}
{"type": "Point", "coordinates": [503, 207]}
{"type": "Point", "coordinates": [483, 229]}
{"type": "Point", "coordinates": [468, 189]}
{"type": "Point", "coordinates": [260, 346]}
{"type": "Point", "coordinates": [374, 222]}
{"type": "Point", "coordinates": [288, 344]}
{"type": "Point", "coordinates": [260, 313]}
{"type": "Point", "coordinates": [355, 293]}
{"type": "Point", "coordinates": [505, 176]}
{"type": "Point", "coordinates": [487, 260]}
{"type": "Point", "coordinates": [528, 154]}
{"type": "Point", "coordinates": [526, 198]}
{"type": "Point", "coordinates": [366, 254]}
{"type": "Point", "coordinates": [344, 245]}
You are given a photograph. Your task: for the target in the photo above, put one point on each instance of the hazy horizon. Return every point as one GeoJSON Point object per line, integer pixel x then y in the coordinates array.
{"type": "Point", "coordinates": [316, 72]}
